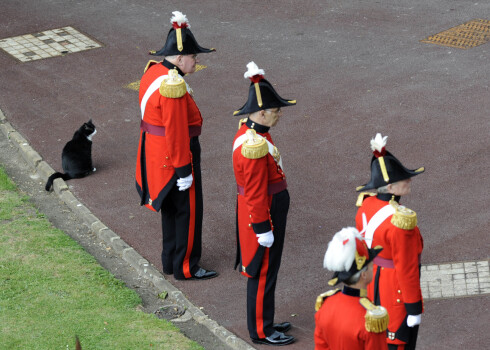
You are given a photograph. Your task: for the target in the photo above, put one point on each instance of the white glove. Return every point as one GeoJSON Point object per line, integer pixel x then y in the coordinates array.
{"type": "Point", "coordinates": [265, 239]}
{"type": "Point", "coordinates": [414, 320]}
{"type": "Point", "coordinates": [184, 182]}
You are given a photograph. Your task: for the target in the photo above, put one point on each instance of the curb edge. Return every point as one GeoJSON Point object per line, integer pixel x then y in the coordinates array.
{"type": "Point", "coordinates": [124, 250]}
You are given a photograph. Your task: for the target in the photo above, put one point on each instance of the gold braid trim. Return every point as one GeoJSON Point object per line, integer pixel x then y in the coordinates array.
{"type": "Point", "coordinates": [149, 64]}
{"type": "Point", "coordinates": [403, 218]}
{"type": "Point", "coordinates": [362, 196]}
{"type": "Point", "coordinates": [259, 96]}
{"type": "Point", "coordinates": [321, 298]}
{"type": "Point", "coordinates": [376, 317]}
{"type": "Point", "coordinates": [173, 86]}
{"type": "Point", "coordinates": [255, 147]}
{"type": "Point", "coordinates": [382, 165]}
{"type": "Point", "coordinates": [178, 33]}
{"type": "Point", "coordinates": [255, 151]}
{"type": "Point", "coordinates": [360, 260]}
{"type": "Point", "coordinates": [241, 122]}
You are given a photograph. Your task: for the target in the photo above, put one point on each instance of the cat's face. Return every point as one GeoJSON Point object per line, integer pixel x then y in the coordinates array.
{"type": "Point", "coordinates": [88, 129]}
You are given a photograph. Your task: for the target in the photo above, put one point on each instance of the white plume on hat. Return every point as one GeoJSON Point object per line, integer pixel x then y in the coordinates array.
{"type": "Point", "coordinates": [253, 69]}
{"type": "Point", "coordinates": [179, 18]}
{"type": "Point", "coordinates": [378, 143]}
{"type": "Point", "coordinates": [341, 250]}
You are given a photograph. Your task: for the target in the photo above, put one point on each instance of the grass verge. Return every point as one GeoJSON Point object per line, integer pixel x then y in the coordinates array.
{"type": "Point", "coordinates": [52, 290]}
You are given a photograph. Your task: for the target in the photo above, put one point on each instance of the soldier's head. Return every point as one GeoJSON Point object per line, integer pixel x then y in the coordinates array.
{"type": "Point", "coordinates": [350, 259]}
{"type": "Point", "coordinates": [388, 175]}
{"type": "Point", "coordinates": [267, 117]}
{"type": "Point", "coordinates": [264, 105]}
{"type": "Point", "coordinates": [399, 188]}
{"type": "Point", "coordinates": [181, 48]}
{"type": "Point", "coordinates": [186, 63]}
{"type": "Point", "coordinates": [362, 277]}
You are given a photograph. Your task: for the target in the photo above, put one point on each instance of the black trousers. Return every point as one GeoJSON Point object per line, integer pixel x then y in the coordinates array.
{"type": "Point", "coordinates": [182, 213]}
{"type": "Point", "coordinates": [261, 290]}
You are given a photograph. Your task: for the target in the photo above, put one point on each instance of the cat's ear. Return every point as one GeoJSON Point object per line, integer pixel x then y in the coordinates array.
{"type": "Point", "coordinates": [90, 121]}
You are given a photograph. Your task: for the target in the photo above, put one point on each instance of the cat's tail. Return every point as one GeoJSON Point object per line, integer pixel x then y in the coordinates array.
{"type": "Point", "coordinates": [49, 183]}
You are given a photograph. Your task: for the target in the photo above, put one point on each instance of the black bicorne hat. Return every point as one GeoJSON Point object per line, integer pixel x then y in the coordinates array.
{"type": "Point", "coordinates": [261, 94]}
{"type": "Point", "coordinates": [348, 254]}
{"type": "Point", "coordinates": [385, 167]}
{"type": "Point", "coordinates": [180, 40]}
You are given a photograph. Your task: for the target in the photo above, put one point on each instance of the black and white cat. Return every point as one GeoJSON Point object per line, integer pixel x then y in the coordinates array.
{"type": "Point", "coordinates": [76, 158]}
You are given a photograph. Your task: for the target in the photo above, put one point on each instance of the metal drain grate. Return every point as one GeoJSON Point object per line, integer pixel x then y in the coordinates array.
{"type": "Point", "coordinates": [50, 43]}
{"type": "Point", "coordinates": [465, 36]}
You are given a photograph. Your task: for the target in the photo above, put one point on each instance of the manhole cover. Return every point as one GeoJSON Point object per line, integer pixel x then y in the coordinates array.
{"type": "Point", "coordinates": [170, 312]}
{"type": "Point", "coordinates": [50, 43]}
{"type": "Point", "coordinates": [464, 36]}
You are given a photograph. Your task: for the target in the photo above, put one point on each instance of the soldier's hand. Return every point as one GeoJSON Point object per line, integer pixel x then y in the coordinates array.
{"type": "Point", "coordinates": [266, 239]}
{"type": "Point", "coordinates": [184, 182]}
{"type": "Point", "coordinates": [414, 320]}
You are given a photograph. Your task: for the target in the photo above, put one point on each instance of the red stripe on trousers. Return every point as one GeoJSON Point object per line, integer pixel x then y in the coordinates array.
{"type": "Point", "coordinates": [192, 226]}
{"type": "Point", "coordinates": [259, 304]}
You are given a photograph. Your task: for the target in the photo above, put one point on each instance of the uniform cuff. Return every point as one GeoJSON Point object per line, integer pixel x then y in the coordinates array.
{"type": "Point", "coordinates": [414, 308]}
{"type": "Point", "coordinates": [262, 227]}
{"type": "Point", "coordinates": [184, 171]}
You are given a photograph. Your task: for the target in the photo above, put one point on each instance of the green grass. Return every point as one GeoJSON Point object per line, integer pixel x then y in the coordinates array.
{"type": "Point", "coordinates": [52, 290]}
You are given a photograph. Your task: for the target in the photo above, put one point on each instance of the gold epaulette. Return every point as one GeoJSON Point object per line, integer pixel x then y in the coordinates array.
{"type": "Point", "coordinates": [403, 217]}
{"type": "Point", "coordinates": [241, 122]}
{"type": "Point", "coordinates": [363, 196]}
{"type": "Point", "coordinates": [321, 298]}
{"type": "Point", "coordinates": [255, 146]}
{"type": "Point", "coordinates": [173, 86]}
{"type": "Point", "coordinates": [376, 318]}
{"type": "Point", "coordinates": [149, 64]}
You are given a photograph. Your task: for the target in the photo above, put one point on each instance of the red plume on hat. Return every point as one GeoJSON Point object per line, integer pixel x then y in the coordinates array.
{"type": "Point", "coordinates": [255, 75]}
{"type": "Point", "coordinates": [347, 254]}
{"type": "Point", "coordinates": [341, 250]}
{"type": "Point", "coordinates": [385, 167]}
{"type": "Point", "coordinates": [261, 93]}
{"type": "Point", "coordinates": [179, 21]}
{"type": "Point", "coordinates": [378, 145]}
{"type": "Point", "coordinates": [180, 40]}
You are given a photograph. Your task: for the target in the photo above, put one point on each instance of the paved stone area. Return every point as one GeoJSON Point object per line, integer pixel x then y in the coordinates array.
{"type": "Point", "coordinates": [356, 68]}
{"type": "Point", "coordinates": [454, 280]}
{"type": "Point", "coordinates": [49, 43]}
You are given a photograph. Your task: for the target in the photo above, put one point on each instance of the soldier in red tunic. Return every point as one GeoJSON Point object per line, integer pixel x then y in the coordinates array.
{"type": "Point", "coordinates": [383, 221]}
{"type": "Point", "coordinates": [262, 207]}
{"type": "Point", "coordinates": [347, 320]}
{"type": "Point", "coordinates": [168, 170]}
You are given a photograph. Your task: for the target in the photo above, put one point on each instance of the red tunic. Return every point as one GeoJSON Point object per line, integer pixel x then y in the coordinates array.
{"type": "Point", "coordinates": [254, 176]}
{"type": "Point", "coordinates": [340, 325]}
{"type": "Point", "coordinates": [167, 157]}
{"type": "Point", "coordinates": [399, 287]}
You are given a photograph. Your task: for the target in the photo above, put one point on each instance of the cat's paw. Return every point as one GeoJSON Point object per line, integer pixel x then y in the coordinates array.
{"type": "Point", "coordinates": [94, 169]}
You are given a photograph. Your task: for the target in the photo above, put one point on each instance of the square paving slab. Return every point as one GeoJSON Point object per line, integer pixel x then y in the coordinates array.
{"type": "Point", "coordinates": [49, 43]}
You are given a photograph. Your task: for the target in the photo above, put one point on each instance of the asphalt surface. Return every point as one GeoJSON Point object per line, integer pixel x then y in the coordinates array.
{"type": "Point", "coordinates": [355, 68]}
